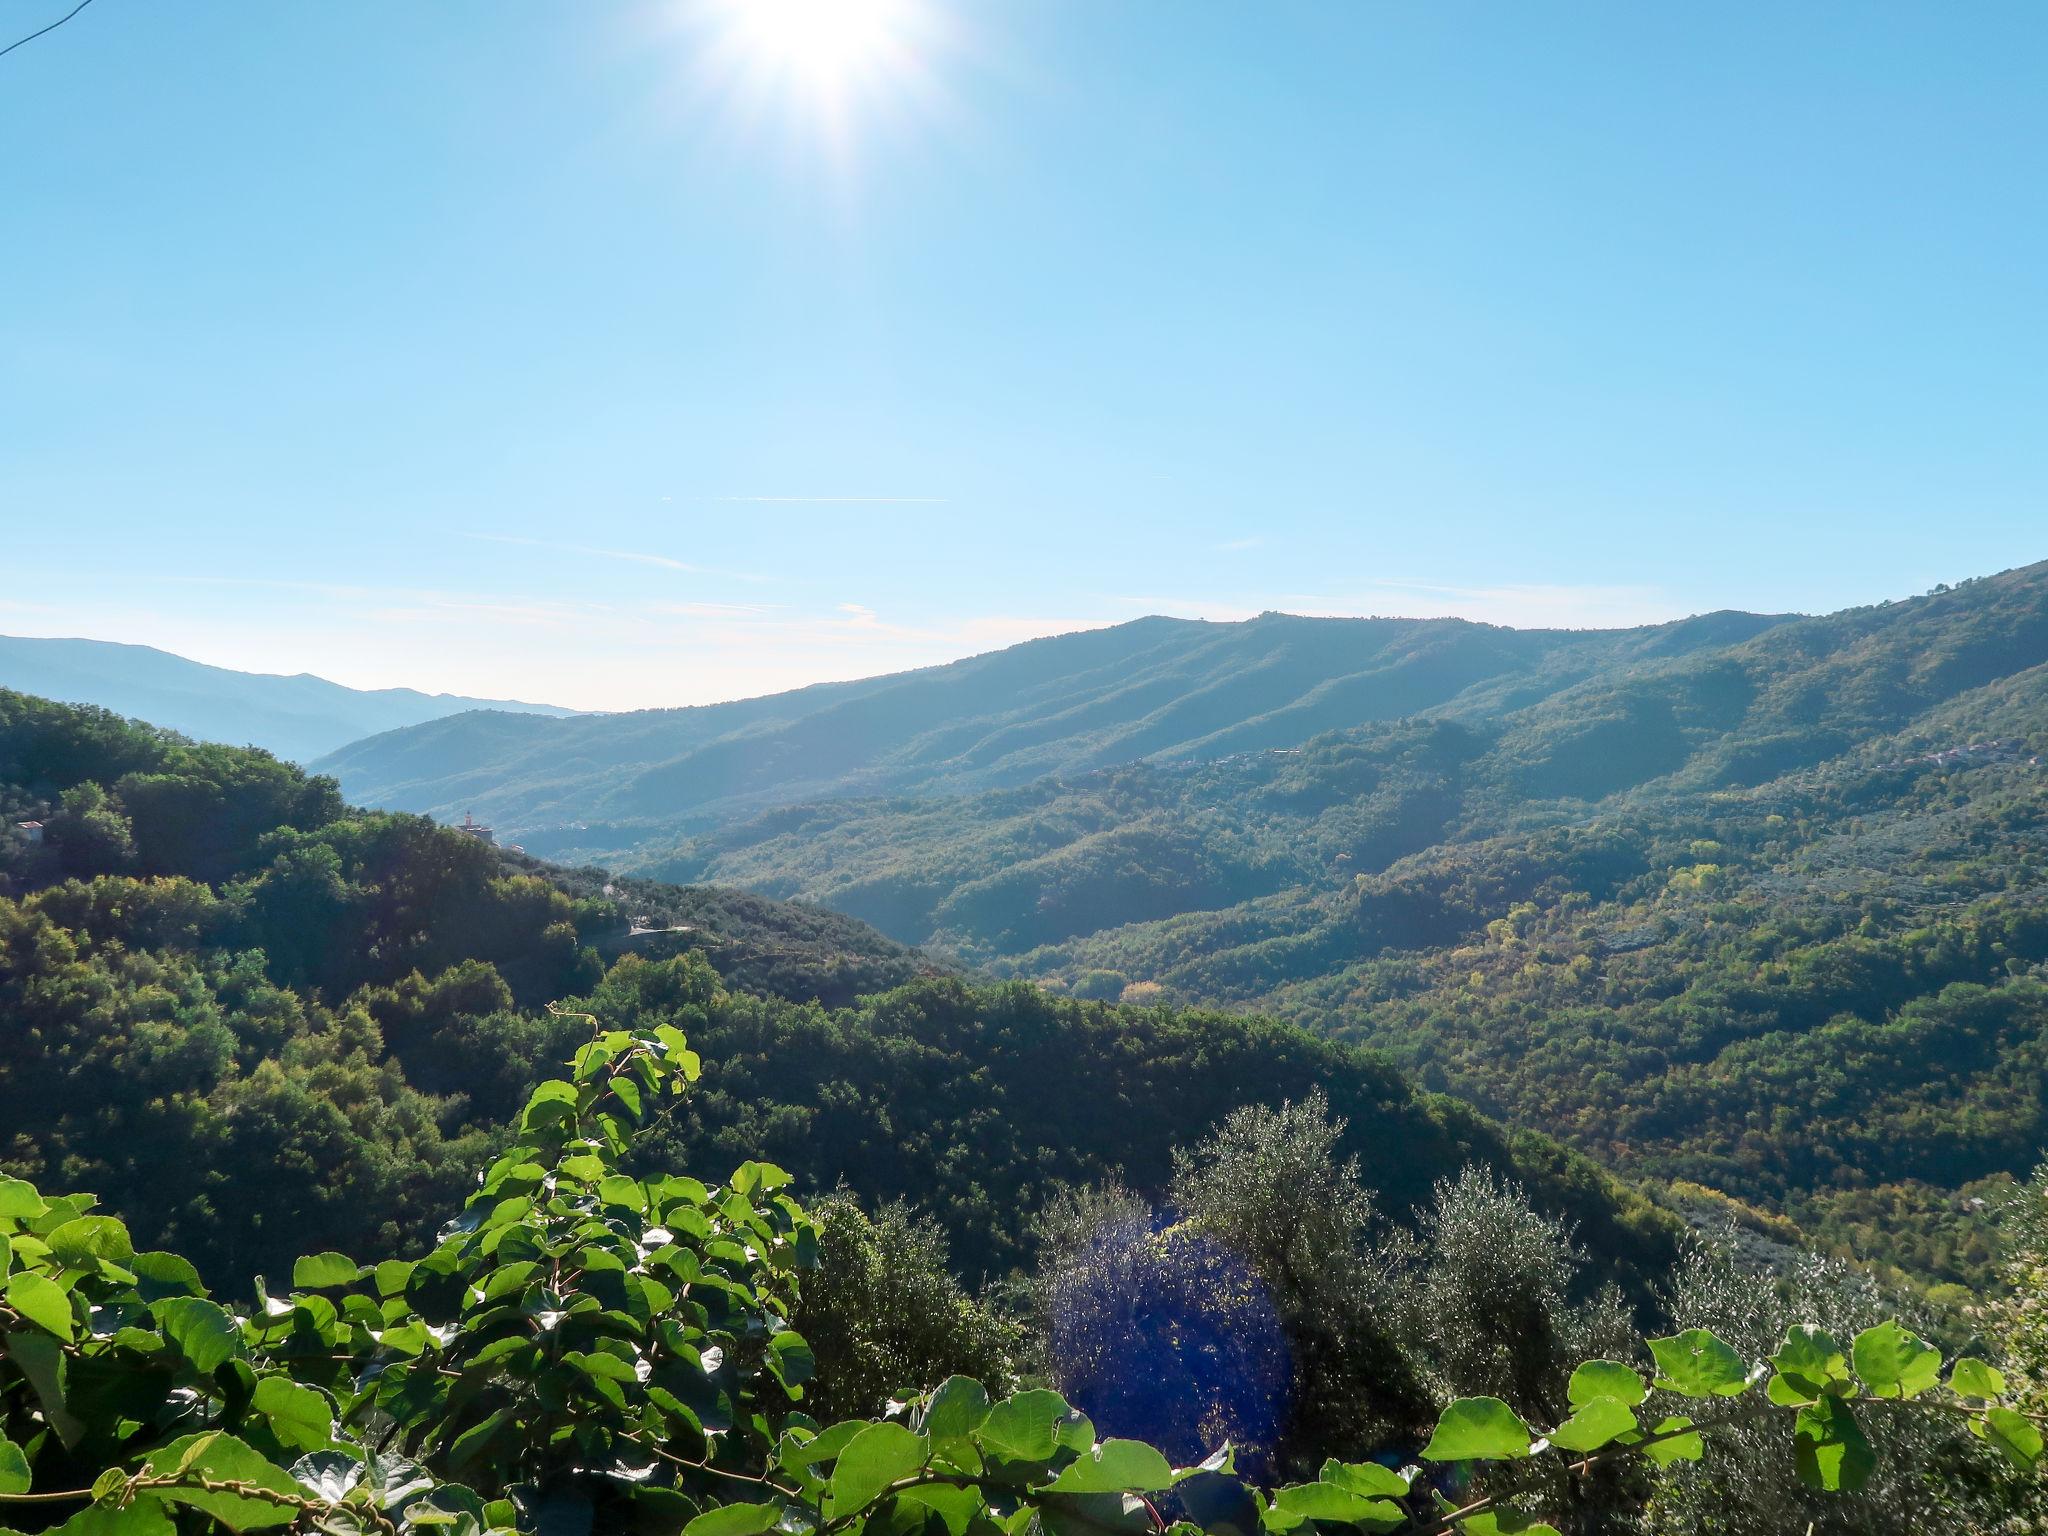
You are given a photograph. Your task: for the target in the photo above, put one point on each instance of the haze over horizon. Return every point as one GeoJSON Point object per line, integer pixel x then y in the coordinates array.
{"type": "Point", "coordinates": [688, 350]}
{"type": "Point", "coordinates": [1538, 602]}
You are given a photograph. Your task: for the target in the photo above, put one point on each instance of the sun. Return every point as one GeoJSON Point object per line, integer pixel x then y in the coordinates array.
{"type": "Point", "coordinates": [816, 77]}
{"type": "Point", "coordinates": [829, 60]}
{"type": "Point", "coordinates": [824, 44]}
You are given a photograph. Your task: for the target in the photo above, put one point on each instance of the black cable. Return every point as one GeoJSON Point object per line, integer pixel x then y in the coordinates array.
{"type": "Point", "coordinates": [53, 26]}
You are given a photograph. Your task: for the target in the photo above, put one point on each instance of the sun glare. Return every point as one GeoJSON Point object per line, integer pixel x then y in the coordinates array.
{"type": "Point", "coordinates": [827, 43]}
{"type": "Point", "coordinates": [827, 62]}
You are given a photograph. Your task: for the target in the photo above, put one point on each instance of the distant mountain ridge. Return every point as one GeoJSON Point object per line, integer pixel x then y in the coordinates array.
{"type": "Point", "coordinates": [1157, 689]}
{"type": "Point", "coordinates": [1767, 919]}
{"type": "Point", "coordinates": [297, 717]}
{"type": "Point", "coordinates": [1755, 906]}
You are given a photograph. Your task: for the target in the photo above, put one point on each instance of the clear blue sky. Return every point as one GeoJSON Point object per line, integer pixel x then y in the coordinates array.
{"type": "Point", "coordinates": [451, 344]}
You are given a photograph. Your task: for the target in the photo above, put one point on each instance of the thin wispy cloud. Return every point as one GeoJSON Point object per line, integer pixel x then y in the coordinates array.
{"type": "Point", "coordinates": [283, 584]}
{"type": "Point", "coordinates": [864, 501]}
{"type": "Point", "coordinates": [717, 610]}
{"type": "Point", "coordinates": [633, 556]}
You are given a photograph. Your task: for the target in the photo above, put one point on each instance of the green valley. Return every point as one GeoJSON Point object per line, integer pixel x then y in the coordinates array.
{"type": "Point", "coordinates": [1765, 920]}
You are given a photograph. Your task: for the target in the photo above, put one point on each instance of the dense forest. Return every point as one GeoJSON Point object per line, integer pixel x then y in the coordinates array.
{"type": "Point", "coordinates": [1762, 921]}
{"type": "Point", "coordinates": [211, 969]}
{"type": "Point", "coordinates": [259, 1025]}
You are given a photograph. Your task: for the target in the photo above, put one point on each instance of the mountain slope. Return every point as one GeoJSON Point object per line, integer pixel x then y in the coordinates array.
{"type": "Point", "coordinates": [299, 717]}
{"type": "Point", "coordinates": [1770, 918]}
{"type": "Point", "coordinates": [254, 1020]}
{"type": "Point", "coordinates": [1163, 689]}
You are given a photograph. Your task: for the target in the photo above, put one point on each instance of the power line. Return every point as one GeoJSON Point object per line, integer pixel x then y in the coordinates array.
{"type": "Point", "coordinates": [53, 26]}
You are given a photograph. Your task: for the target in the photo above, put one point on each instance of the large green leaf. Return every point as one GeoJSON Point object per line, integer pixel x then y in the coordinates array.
{"type": "Point", "coordinates": [328, 1475]}
{"type": "Point", "coordinates": [735, 1520]}
{"type": "Point", "coordinates": [790, 1358]}
{"type": "Point", "coordinates": [85, 1240]}
{"type": "Point", "coordinates": [43, 1302]}
{"type": "Point", "coordinates": [550, 1103]}
{"type": "Point", "coordinates": [1679, 1443]}
{"type": "Point", "coordinates": [205, 1334]}
{"type": "Point", "coordinates": [143, 1515]}
{"type": "Point", "coordinates": [1697, 1364]}
{"type": "Point", "coordinates": [1598, 1422]}
{"type": "Point", "coordinates": [956, 1507]}
{"type": "Point", "coordinates": [2014, 1434]}
{"type": "Point", "coordinates": [1505, 1522]}
{"type": "Point", "coordinates": [1366, 1477]}
{"type": "Point", "coordinates": [879, 1455]}
{"type": "Point", "coordinates": [158, 1275]}
{"type": "Point", "coordinates": [1976, 1378]}
{"type": "Point", "coordinates": [957, 1409]}
{"type": "Point", "coordinates": [1478, 1429]}
{"type": "Point", "coordinates": [298, 1416]}
{"type": "Point", "coordinates": [822, 1446]}
{"type": "Point", "coordinates": [1606, 1378]}
{"type": "Point", "coordinates": [1338, 1505]}
{"type": "Point", "coordinates": [19, 1200]}
{"type": "Point", "coordinates": [1025, 1427]}
{"type": "Point", "coordinates": [1809, 1364]}
{"type": "Point", "coordinates": [48, 1369]}
{"type": "Point", "coordinates": [1829, 1448]}
{"type": "Point", "coordinates": [14, 1472]}
{"type": "Point", "coordinates": [1115, 1466]}
{"type": "Point", "coordinates": [321, 1271]}
{"type": "Point", "coordinates": [1895, 1363]}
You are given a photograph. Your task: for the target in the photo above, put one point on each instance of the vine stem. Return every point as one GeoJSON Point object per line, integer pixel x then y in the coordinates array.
{"type": "Point", "coordinates": [141, 1482]}
{"type": "Point", "coordinates": [1962, 1408]}
{"type": "Point", "coordinates": [701, 1466]}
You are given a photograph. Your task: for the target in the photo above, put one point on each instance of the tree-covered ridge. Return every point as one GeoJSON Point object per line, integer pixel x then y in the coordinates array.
{"type": "Point", "coordinates": [1799, 707]}
{"type": "Point", "coordinates": [1157, 688]}
{"type": "Point", "coordinates": [1761, 920]}
{"type": "Point", "coordinates": [1002, 874]}
{"type": "Point", "coordinates": [797, 951]}
{"type": "Point", "coordinates": [355, 998]}
{"type": "Point", "coordinates": [1825, 997]}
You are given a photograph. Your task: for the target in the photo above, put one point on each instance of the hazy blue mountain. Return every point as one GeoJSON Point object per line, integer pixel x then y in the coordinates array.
{"type": "Point", "coordinates": [298, 717]}
{"type": "Point", "coordinates": [1004, 871]}
{"type": "Point", "coordinates": [1156, 689]}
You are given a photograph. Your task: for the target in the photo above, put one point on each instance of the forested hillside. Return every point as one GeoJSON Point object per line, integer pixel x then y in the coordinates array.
{"type": "Point", "coordinates": [288, 1038]}
{"type": "Point", "coordinates": [250, 1018]}
{"type": "Point", "coordinates": [1767, 918]}
{"type": "Point", "coordinates": [298, 717]}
